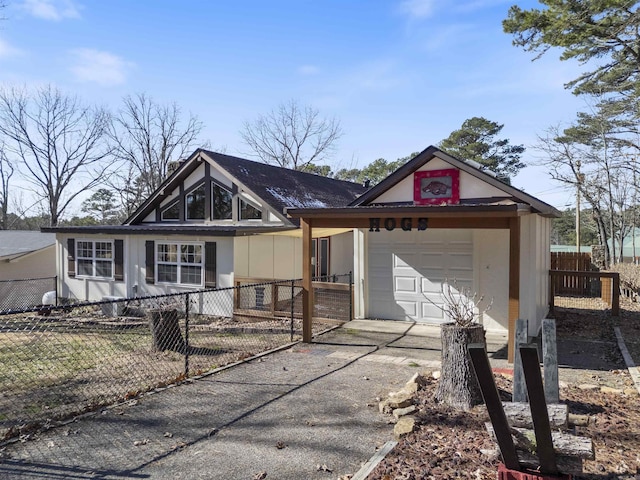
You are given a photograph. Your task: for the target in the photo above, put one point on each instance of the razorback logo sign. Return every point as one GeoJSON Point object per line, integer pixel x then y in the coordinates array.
{"type": "Point", "coordinates": [405, 224]}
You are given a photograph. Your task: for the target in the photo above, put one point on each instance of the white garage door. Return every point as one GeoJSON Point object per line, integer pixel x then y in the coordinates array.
{"type": "Point", "coordinates": [406, 270]}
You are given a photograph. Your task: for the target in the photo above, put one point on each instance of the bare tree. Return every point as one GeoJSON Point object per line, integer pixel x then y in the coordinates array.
{"type": "Point", "coordinates": [292, 136]}
{"type": "Point", "coordinates": [6, 172]}
{"type": "Point", "coordinates": [147, 137]}
{"type": "Point", "coordinates": [59, 141]}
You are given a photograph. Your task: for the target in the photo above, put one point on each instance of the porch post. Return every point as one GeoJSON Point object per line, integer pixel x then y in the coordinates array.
{"type": "Point", "coordinates": [307, 286]}
{"type": "Point", "coordinates": [514, 283]}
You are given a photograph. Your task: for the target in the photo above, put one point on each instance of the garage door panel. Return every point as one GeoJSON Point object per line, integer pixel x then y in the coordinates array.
{"type": "Point", "coordinates": [428, 310]}
{"type": "Point", "coordinates": [410, 308]}
{"type": "Point", "coordinates": [431, 284]}
{"type": "Point", "coordinates": [403, 285]}
{"type": "Point", "coordinates": [404, 260]}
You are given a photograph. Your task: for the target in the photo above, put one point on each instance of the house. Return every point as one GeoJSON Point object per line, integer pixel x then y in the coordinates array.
{"type": "Point", "coordinates": [26, 254]}
{"type": "Point", "coordinates": [218, 218]}
{"type": "Point", "coordinates": [439, 218]}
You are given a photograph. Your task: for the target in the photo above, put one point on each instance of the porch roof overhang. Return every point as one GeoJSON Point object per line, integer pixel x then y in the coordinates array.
{"type": "Point", "coordinates": [439, 216]}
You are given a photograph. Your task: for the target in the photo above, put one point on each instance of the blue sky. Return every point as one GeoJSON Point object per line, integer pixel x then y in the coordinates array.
{"type": "Point", "coordinates": [400, 75]}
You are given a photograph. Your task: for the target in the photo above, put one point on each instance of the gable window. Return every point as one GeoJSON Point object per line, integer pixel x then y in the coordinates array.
{"type": "Point", "coordinates": [222, 199]}
{"type": "Point", "coordinates": [94, 259]}
{"type": "Point", "coordinates": [248, 211]}
{"type": "Point", "coordinates": [180, 263]}
{"type": "Point", "coordinates": [195, 203]}
{"type": "Point", "coordinates": [172, 212]}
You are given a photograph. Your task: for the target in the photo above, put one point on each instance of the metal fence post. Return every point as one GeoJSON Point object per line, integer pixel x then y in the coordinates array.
{"type": "Point", "coordinates": [55, 287]}
{"type": "Point", "coordinates": [186, 334]}
{"type": "Point", "coordinates": [350, 296]}
{"type": "Point", "coordinates": [293, 298]}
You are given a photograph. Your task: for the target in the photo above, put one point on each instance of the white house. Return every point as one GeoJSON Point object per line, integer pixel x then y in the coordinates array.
{"type": "Point", "coordinates": [218, 218]}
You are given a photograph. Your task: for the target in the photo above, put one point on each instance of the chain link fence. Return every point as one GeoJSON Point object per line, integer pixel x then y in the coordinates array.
{"type": "Point", "coordinates": [59, 361]}
{"type": "Point", "coordinates": [23, 294]}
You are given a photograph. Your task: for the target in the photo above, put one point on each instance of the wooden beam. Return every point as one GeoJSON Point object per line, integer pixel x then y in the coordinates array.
{"type": "Point", "coordinates": [307, 286]}
{"type": "Point", "coordinates": [433, 222]}
{"type": "Point", "coordinates": [514, 283]}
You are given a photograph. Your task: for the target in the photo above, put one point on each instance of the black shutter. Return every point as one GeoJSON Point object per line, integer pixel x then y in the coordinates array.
{"type": "Point", "coordinates": [150, 262]}
{"type": "Point", "coordinates": [210, 264]}
{"type": "Point", "coordinates": [118, 260]}
{"type": "Point", "coordinates": [71, 257]}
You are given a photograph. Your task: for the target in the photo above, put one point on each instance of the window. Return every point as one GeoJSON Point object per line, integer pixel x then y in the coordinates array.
{"type": "Point", "coordinates": [172, 212]}
{"type": "Point", "coordinates": [195, 203]}
{"type": "Point", "coordinates": [222, 202]}
{"type": "Point", "coordinates": [320, 256]}
{"type": "Point", "coordinates": [179, 263]}
{"type": "Point", "coordinates": [94, 259]}
{"type": "Point", "coordinates": [248, 211]}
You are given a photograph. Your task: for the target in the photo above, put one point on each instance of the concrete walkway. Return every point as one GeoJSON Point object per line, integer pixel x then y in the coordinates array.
{"type": "Point", "coordinates": [306, 412]}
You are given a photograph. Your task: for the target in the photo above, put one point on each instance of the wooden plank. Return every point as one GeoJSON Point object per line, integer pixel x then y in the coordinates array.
{"type": "Point", "coordinates": [519, 414]}
{"type": "Point", "coordinates": [491, 398]}
{"type": "Point", "coordinates": [541, 427]}
{"type": "Point", "coordinates": [368, 467]}
{"type": "Point", "coordinates": [519, 384]}
{"type": "Point", "coordinates": [307, 287]}
{"type": "Point", "coordinates": [514, 283]}
{"type": "Point", "coordinates": [550, 361]}
{"type": "Point", "coordinates": [564, 443]}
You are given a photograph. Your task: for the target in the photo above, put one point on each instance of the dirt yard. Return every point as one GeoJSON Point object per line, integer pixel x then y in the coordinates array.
{"type": "Point", "coordinates": [448, 443]}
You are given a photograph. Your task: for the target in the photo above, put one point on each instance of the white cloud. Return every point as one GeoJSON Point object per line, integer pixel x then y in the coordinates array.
{"type": "Point", "coordinates": [417, 8]}
{"type": "Point", "coordinates": [308, 70]}
{"type": "Point", "coordinates": [55, 10]}
{"type": "Point", "coordinates": [103, 68]}
{"type": "Point", "coordinates": [7, 50]}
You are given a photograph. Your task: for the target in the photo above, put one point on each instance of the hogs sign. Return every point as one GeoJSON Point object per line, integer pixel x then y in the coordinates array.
{"type": "Point", "coordinates": [389, 224]}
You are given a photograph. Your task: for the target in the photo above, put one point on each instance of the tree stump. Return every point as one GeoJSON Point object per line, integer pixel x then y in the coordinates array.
{"type": "Point", "coordinates": [458, 385]}
{"type": "Point", "coordinates": [165, 331]}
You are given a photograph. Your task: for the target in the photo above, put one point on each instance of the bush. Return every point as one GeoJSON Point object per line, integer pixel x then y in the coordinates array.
{"type": "Point", "coordinates": [629, 275]}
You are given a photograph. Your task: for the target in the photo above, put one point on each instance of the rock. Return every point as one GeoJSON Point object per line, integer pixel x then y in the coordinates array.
{"type": "Point", "coordinates": [384, 406]}
{"type": "Point", "coordinates": [405, 425]}
{"type": "Point", "coordinates": [615, 391]}
{"type": "Point", "coordinates": [413, 383]}
{"type": "Point", "coordinates": [401, 412]}
{"type": "Point", "coordinates": [588, 387]}
{"type": "Point", "coordinates": [436, 374]}
{"type": "Point", "coordinates": [562, 384]}
{"type": "Point", "coordinates": [400, 399]}
{"type": "Point", "coordinates": [630, 391]}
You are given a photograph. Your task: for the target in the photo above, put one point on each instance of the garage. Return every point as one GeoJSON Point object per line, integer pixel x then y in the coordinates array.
{"type": "Point", "coordinates": [406, 270]}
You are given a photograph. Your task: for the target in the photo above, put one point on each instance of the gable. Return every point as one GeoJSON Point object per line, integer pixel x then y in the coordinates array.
{"type": "Point", "coordinates": [470, 187]}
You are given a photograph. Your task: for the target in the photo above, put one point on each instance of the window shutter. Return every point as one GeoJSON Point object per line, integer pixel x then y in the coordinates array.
{"type": "Point", "coordinates": [150, 262]}
{"type": "Point", "coordinates": [210, 264]}
{"type": "Point", "coordinates": [71, 257]}
{"type": "Point", "coordinates": [118, 260]}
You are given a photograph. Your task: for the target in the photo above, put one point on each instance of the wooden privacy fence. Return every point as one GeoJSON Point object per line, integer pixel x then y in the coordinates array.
{"type": "Point", "coordinates": [573, 284]}
{"type": "Point", "coordinates": [607, 283]}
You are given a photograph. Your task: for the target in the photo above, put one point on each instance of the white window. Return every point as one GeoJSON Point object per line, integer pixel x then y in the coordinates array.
{"type": "Point", "coordinates": [180, 263]}
{"type": "Point", "coordinates": [94, 259]}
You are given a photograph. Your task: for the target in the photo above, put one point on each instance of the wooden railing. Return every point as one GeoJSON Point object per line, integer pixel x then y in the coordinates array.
{"type": "Point", "coordinates": [608, 283]}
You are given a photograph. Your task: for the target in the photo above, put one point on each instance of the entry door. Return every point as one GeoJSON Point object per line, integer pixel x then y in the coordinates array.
{"type": "Point", "coordinates": [406, 271]}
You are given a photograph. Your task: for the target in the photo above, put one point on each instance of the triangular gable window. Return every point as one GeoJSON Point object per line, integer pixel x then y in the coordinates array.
{"type": "Point", "coordinates": [172, 212]}
{"type": "Point", "coordinates": [249, 212]}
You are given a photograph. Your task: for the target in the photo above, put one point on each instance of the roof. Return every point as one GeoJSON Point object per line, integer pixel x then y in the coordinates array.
{"type": "Point", "coordinates": [15, 243]}
{"type": "Point", "coordinates": [168, 229]}
{"type": "Point", "coordinates": [279, 187]}
{"type": "Point", "coordinates": [431, 152]}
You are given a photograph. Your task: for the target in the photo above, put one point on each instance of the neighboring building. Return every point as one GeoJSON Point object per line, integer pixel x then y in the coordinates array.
{"type": "Point", "coordinates": [27, 254]}
{"type": "Point", "coordinates": [570, 249]}
{"type": "Point", "coordinates": [218, 218]}
{"type": "Point", "coordinates": [215, 219]}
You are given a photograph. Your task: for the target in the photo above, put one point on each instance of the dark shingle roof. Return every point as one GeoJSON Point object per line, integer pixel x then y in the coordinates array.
{"type": "Point", "coordinates": [282, 187]}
